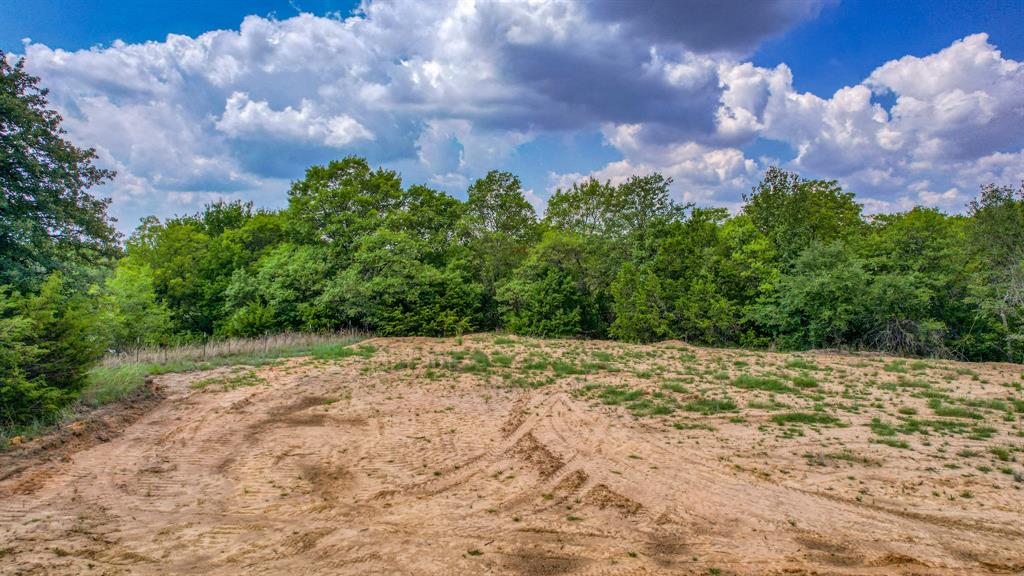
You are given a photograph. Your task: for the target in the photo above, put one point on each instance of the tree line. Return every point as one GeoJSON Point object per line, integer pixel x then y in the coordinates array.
{"type": "Point", "coordinates": [798, 267]}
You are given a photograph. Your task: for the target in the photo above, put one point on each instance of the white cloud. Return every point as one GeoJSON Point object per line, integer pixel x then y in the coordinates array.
{"type": "Point", "coordinates": [447, 92]}
{"type": "Point", "coordinates": [244, 118]}
{"type": "Point", "coordinates": [955, 124]}
{"type": "Point", "coordinates": [700, 173]}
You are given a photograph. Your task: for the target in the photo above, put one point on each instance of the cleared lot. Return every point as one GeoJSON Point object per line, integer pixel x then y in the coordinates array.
{"type": "Point", "coordinates": [492, 454]}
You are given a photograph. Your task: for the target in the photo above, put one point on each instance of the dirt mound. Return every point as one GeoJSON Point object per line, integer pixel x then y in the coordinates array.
{"type": "Point", "coordinates": [519, 456]}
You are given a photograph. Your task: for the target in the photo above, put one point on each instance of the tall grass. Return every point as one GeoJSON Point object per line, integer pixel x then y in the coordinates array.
{"type": "Point", "coordinates": [271, 346]}
{"type": "Point", "coordinates": [118, 375]}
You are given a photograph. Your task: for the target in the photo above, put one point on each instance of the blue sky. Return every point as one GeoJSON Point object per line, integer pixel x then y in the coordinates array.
{"type": "Point", "coordinates": [904, 102]}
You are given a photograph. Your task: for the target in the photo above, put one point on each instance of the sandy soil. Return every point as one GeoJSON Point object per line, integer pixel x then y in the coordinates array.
{"type": "Point", "coordinates": [493, 455]}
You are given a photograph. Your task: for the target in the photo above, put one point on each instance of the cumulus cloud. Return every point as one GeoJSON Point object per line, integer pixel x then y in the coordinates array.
{"type": "Point", "coordinates": [955, 125]}
{"type": "Point", "coordinates": [244, 118]}
{"type": "Point", "coordinates": [445, 92]}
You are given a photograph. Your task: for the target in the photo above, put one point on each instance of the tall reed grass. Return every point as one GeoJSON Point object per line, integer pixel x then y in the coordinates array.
{"type": "Point", "coordinates": [120, 374]}
{"type": "Point", "coordinates": [269, 346]}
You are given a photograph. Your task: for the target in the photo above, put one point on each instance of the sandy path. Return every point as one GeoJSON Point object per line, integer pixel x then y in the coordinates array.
{"type": "Point", "coordinates": [331, 468]}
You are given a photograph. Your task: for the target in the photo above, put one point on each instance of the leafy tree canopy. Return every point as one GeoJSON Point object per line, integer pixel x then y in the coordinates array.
{"type": "Point", "coordinates": [48, 219]}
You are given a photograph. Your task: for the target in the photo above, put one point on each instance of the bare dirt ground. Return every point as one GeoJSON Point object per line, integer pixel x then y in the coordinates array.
{"type": "Point", "coordinates": [498, 455]}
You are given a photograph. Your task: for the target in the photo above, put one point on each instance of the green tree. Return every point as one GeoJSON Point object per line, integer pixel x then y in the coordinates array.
{"type": "Point", "coordinates": [50, 340]}
{"type": "Point", "coordinates": [22, 397]}
{"type": "Point", "coordinates": [997, 243]}
{"type": "Point", "coordinates": [389, 288]}
{"type": "Point", "coordinates": [643, 205]}
{"type": "Point", "coordinates": [179, 254]}
{"type": "Point", "coordinates": [689, 263]}
{"type": "Point", "coordinates": [793, 212]}
{"type": "Point", "coordinates": [589, 208]}
{"type": "Point", "coordinates": [638, 306]}
{"type": "Point", "coordinates": [820, 302]}
{"type": "Point", "coordinates": [429, 216]}
{"type": "Point", "coordinates": [558, 291]}
{"type": "Point", "coordinates": [222, 216]}
{"type": "Point", "coordinates": [48, 219]}
{"type": "Point", "coordinates": [498, 227]}
{"type": "Point", "coordinates": [335, 205]}
{"type": "Point", "coordinates": [134, 316]}
{"type": "Point", "coordinates": [918, 265]}
{"type": "Point", "coordinates": [279, 293]}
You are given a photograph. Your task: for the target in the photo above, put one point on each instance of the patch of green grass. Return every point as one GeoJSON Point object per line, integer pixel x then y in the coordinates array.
{"type": "Point", "coordinates": [897, 366]}
{"type": "Point", "coordinates": [468, 361]}
{"type": "Point", "coordinates": [535, 365]}
{"type": "Point", "coordinates": [819, 418]}
{"type": "Point", "coordinates": [709, 406]}
{"type": "Point", "coordinates": [892, 442]}
{"type": "Point", "coordinates": [615, 395]}
{"type": "Point", "coordinates": [502, 360]}
{"type": "Point", "coordinates": [799, 363]}
{"type": "Point", "coordinates": [107, 384]}
{"type": "Point", "coordinates": [751, 382]}
{"type": "Point", "coordinates": [882, 428]}
{"type": "Point", "coordinates": [804, 381]}
{"type": "Point", "coordinates": [674, 387]}
{"type": "Point", "coordinates": [342, 351]}
{"type": "Point", "coordinates": [565, 368]}
{"type": "Point", "coordinates": [230, 382]}
{"type": "Point", "coordinates": [982, 432]}
{"type": "Point", "coordinates": [1001, 453]}
{"type": "Point", "coordinates": [926, 426]}
{"type": "Point", "coordinates": [986, 403]}
{"type": "Point", "coordinates": [693, 426]}
{"type": "Point", "coordinates": [919, 365]}
{"type": "Point", "coordinates": [649, 407]}
{"type": "Point", "coordinates": [947, 411]}
{"type": "Point", "coordinates": [403, 365]}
